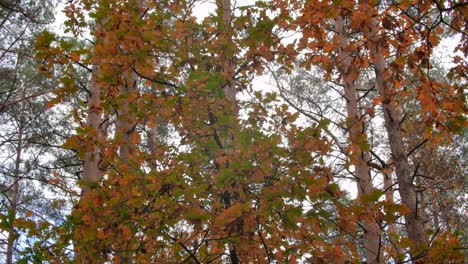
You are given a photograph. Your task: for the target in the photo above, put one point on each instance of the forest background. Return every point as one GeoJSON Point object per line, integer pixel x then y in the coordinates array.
{"type": "Point", "coordinates": [141, 134]}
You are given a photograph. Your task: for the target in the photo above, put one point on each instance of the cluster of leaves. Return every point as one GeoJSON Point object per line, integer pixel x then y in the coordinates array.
{"type": "Point", "coordinates": [31, 135]}
{"type": "Point", "coordinates": [187, 173]}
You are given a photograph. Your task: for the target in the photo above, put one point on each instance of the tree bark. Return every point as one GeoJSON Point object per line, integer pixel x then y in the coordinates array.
{"type": "Point", "coordinates": [395, 249]}
{"type": "Point", "coordinates": [227, 66]}
{"type": "Point", "coordinates": [413, 222]}
{"type": "Point", "coordinates": [125, 127]}
{"type": "Point", "coordinates": [91, 173]}
{"type": "Point", "coordinates": [126, 124]}
{"type": "Point", "coordinates": [359, 157]}
{"type": "Point", "coordinates": [15, 190]}
{"type": "Point", "coordinates": [228, 61]}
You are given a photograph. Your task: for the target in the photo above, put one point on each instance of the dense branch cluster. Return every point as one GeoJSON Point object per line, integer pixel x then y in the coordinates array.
{"type": "Point", "coordinates": [139, 135]}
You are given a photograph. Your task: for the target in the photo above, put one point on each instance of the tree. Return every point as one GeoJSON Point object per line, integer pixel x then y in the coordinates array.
{"type": "Point", "coordinates": [247, 180]}
{"type": "Point", "coordinates": [23, 123]}
{"type": "Point", "coordinates": [314, 22]}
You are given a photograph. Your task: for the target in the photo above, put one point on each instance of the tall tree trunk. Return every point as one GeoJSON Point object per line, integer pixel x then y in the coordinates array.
{"type": "Point", "coordinates": [15, 189]}
{"type": "Point", "coordinates": [91, 173]}
{"type": "Point", "coordinates": [388, 183]}
{"type": "Point", "coordinates": [127, 120]}
{"type": "Point", "coordinates": [413, 222]}
{"type": "Point", "coordinates": [357, 135]}
{"type": "Point", "coordinates": [228, 61]}
{"type": "Point", "coordinates": [227, 66]}
{"type": "Point", "coordinates": [395, 249]}
{"type": "Point", "coordinates": [126, 123]}
{"type": "Point", "coordinates": [125, 129]}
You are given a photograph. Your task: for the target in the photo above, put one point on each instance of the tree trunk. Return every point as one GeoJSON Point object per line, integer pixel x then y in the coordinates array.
{"type": "Point", "coordinates": [126, 123]}
{"type": "Point", "coordinates": [228, 61]}
{"type": "Point", "coordinates": [91, 173]}
{"type": "Point", "coordinates": [125, 128]}
{"type": "Point", "coordinates": [413, 223]}
{"type": "Point", "coordinates": [227, 66]}
{"type": "Point", "coordinates": [15, 190]}
{"type": "Point", "coordinates": [395, 249]}
{"type": "Point", "coordinates": [357, 136]}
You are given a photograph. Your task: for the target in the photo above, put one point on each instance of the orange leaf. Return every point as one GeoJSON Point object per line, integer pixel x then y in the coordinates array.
{"type": "Point", "coordinates": [377, 101]}
{"type": "Point", "coordinates": [75, 56]}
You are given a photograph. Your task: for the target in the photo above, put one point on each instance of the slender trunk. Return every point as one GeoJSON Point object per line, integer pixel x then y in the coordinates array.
{"type": "Point", "coordinates": [388, 183]}
{"type": "Point", "coordinates": [228, 61]}
{"type": "Point", "coordinates": [395, 249]}
{"type": "Point", "coordinates": [91, 173]}
{"type": "Point", "coordinates": [125, 127]}
{"type": "Point", "coordinates": [359, 157]}
{"type": "Point", "coordinates": [15, 191]}
{"type": "Point", "coordinates": [127, 121]}
{"type": "Point", "coordinates": [388, 187]}
{"type": "Point", "coordinates": [227, 65]}
{"type": "Point", "coordinates": [430, 171]}
{"type": "Point", "coordinates": [435, 209]}
{"type": "Point", "coordinates": [413, 222]}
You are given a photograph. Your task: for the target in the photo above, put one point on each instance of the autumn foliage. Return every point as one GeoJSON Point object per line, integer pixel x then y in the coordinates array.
{"type": "Point", "coordinates": [178, 168]}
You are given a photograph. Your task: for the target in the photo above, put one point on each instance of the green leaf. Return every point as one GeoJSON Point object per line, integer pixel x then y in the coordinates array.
{"type": "Point", "coordinates": [196, 213]}
{"type": "Point", "coordinates": [365, 146]}
{"type": "Point", "coordinates": [374, 196]}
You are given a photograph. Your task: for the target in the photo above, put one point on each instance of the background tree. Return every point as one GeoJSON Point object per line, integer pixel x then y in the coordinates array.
{"type": "Point", "coordinates": [245, 180]}
{"type": "Point", "coordinates": [30, 139]}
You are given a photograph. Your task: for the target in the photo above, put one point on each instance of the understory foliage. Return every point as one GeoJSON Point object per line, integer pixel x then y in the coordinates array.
{"type": "Point", "coordinates": [177, 157]}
